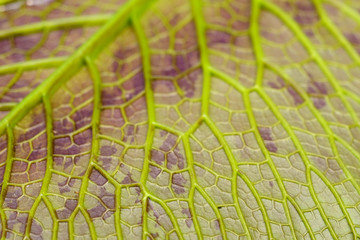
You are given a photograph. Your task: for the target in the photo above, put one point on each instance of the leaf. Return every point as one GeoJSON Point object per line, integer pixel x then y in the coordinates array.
{"type": "Point", "coordinates": [179, 119]}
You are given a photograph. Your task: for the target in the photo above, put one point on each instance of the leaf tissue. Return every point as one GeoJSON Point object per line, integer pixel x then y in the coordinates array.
{"type": "Point", "coordinates": [179, 119]}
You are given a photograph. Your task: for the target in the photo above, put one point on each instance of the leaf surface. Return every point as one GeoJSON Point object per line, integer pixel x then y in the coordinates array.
{"type": "Point", "coordinates": [195, 119]}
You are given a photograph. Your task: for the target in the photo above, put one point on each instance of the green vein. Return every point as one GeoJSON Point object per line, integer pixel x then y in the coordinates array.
{"type": "Point", "coordinates": [321, 120]}
{"type": "Point", "coordinates": [259, 56]}
{"type": "Point", "coordinates": [11, 83]}
{"type": "Point", "coordinates": [268, 157]}
{"type": "Point", "coordinates": [130, 16]}
{"type": "Point", "coordinates": [7, 106]}
{"type": "Point", "coordinates": [201, 37]}
{"type": "Point", "coordinates": [117, 211]}
{"type": "Point", "coordinates": [6, 177]}
{"type": "Point", "coordinates": [190, 163]}
{"type": "Point", "coordinates": [308, 45]}
{"type": "Point", "coordinates": [345, 9]}
{"type": "Point", "coordinates": [302, 217]}
{"type": "Point", "coordinates": [195, 185]}
{"type": "Point", "coordinates": [55, 228]}
{"type": "Point", "coordinates": [141, 37]}
{"type": "Point", "coordinates": [206, 196]}
{"type": "Point", "coordinates": [89, 222]}
{"type": "Point", "coordinates": [245, 91]}
{"type": "Point", "coordinates": [302, 153]}
{"type": "Point", "coordinates": [106, 174]}
{"type": "Point", "coordinates": [62, 23]}
{"type": "Point", "coordinates": [295, 28]}
{"type": "Point", "coordinates": [168, 129]}
{"type": "Point", "coordinates": [80, 210]}
{"type": "Point", "coordinates": [49, 165]}
{"type": "Point", "coordinates": [337, 34]}
{"type": "Point", "coordinates": [259, 202]}
{"type": "Point", "coordinates": [71, 66]}
{"type": "Point", "coordinates": [51, 62]}
{"type": "Point", "coordinates": [229, 80]}
{"type": "Point", "coordinates": [71, 225]}
{"type": "Point", "coordinates": [234, 168]}
{"type": "Point", "coordinates": [339, 201]}
{"type": "Point", "coordinates": [348, 147]}
{"type": "Point", "coordinates": [151, 120]}
{"type": "Point", "coordinates": [144, 217]}
{"type": "Point", "coordinates": [118, 188]}
{"type": "Point", "coordinates": [95, 122]}
{"type": "Point", "coordinates": [3, 2]}
{"type": "Point", "coordinates": [352, 95]}
{"type": "Point", "coordinates": [151, 113]}
{"type": "Point", "coordinates": [256, 40]}
{"type": "Point", "coordinates": [169, 213]}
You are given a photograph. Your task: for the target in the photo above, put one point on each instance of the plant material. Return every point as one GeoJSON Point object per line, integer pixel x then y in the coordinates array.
{"type": "Point", "coordinates": [181, 119]}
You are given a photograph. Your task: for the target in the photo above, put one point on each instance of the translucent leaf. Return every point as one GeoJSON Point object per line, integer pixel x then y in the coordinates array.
{"type": "Point", "coordinates": [182, 119]}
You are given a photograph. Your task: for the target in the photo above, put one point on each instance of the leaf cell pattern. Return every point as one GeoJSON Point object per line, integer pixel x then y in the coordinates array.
{"type": "Point", "coordinates": [196, 119]}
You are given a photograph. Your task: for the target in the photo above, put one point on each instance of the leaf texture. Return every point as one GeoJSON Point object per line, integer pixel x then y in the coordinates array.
{"type": "Point", "coordinates": [195, 119]}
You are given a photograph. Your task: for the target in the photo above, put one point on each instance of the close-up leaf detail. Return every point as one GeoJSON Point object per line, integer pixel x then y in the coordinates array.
{"type": "Point", "coordinates": [180, 119]}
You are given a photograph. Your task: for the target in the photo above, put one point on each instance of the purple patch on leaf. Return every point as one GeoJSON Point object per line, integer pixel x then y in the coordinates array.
{"type": "Point", "coordinates": [107, 150]}
{"type": "Point", "coordinates": [127, 179]}
{"type": "Point", "coordinates": [278, 84]}
{"type": "Point", "coordinates": [111, 96]}
{"type": "Point", "coordinates": [169, 142]}
{"type": "Point", "coordinates": [64, 189]}
{"type": "Point", "coordinates": [157, 156]}
{"type": "Point", "coordinates": [187, 212]}
{"type": "Point", "coordinates": [178, 183]}
{"type": "Point", "coordinates": [97, 211]}
{"type": "Point", "coordinates": [317, 88]}
{"type": "Point", "coordinates": [181, 63]}
{"type": "Point", "coordinates": [271, 147]}
{"type": "Point", "coordinates": [178, 189]}
{"type": "Point", "coordinates": [83, 137]}
{"type": "Point", "coordinates": [178, 179]}
{"type": "Point", "coordinates": [71, 204]}
{"type": "Point", "coordinates": [354, 39]}
{"type": "Point", "coordinates": [5, 46]}
{"type": "Point", "coordinates": [216, 37]}
{"type": "Point", "coordinates": [154, 171]}
{"type": "Point", "coordinates": [189, 222]}
{"type": "Point", "coordinates": [97, 178]}
{"type": "Point", "coordinates": [109, 201]}
{"type": "Point", "coordinates": [154, 235]}
{"type": "Point", "coordinates": [36, 228]}
{"type": "Point", "coordinates": [319, 102]}
{"type": "Point", "coordinates": [217, 224]}
{"type": "Point", "coordinates": [108, 214]}
{"type": "Point", "coordinates": [265, 133]}
{"type": "Point", "coordinates": [295, 96]}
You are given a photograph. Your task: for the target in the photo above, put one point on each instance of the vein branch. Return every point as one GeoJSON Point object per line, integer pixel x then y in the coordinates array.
{"type": "Point", "coordinates": [270, 161]}
{"type": "Point", "coordinates": [71, 66]}
{"type": "Point", "coordinates": [32, 64]}
{"type": "Point", "coordinates": [321, 120]}
{"type": "Point", "coordinates": [302, 153]}
{"type": "Point", "coordinates": [6, 178]}
{"type": "Point", "coordinates": [295, 28]}
{"type": "Point", "coordinates": [141, 37]}
{"type": "Point", "coordinates": [62, 23]}
{"type": "Point", "coordinates": [201, 37]}
{"type": "Point", "coordinates": [234, 168]}
{"type": "Point", "coordinates": [49, 166]}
